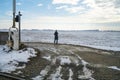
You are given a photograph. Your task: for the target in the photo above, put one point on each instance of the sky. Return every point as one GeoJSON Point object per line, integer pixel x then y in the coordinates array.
{"type": "Point", "coordinates": [63, 14]}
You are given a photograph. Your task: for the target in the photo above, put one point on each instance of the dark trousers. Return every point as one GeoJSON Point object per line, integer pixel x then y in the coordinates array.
{"type": "Point", "coordinates": [55, 41]}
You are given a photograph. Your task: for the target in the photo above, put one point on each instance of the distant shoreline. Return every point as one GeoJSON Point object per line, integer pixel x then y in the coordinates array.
{"type": "Point", "coordinates": [94, 30]}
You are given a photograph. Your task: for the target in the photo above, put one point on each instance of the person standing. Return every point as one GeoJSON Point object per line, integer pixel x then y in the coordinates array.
{"type": "Point", "coordinates": [55, 37]}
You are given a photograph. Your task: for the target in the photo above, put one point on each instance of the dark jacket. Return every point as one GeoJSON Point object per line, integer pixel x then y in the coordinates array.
{"type": "Point", "coordinates": [56, 35]}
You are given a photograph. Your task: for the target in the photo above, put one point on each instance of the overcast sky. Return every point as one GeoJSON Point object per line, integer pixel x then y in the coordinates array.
{"type": "Point", "coordinates": [63, 14]}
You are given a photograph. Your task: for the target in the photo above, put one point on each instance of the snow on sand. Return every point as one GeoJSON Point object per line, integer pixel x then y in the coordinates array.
{"type": "Point", "coordinates": [9, 61]}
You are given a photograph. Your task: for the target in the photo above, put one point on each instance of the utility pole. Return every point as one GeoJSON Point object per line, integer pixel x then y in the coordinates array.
{"type": "Point", "coordinates": [14, 38]}
{"type": "Point", "coordinates": [19, 14]}
{"type": "Point", "coordinates": [14, 11]}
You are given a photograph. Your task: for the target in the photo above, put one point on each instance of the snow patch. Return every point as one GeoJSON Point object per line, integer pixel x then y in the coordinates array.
{"type": "Point", "coordinates": [87, 74]}
{"type": "Point", "coordinates": [84, 62]}
{"type": "Point", "coordinates": [114, 67]}
{"type": "Point", "coordinates": [47, 58]}
{"type": "Point", "coordinates": [9, 61]}
{"type": "Point", "coordinates": [19, 72]}
{"type": "Point", "coordinates": [70, 74]}
{"type": "Point", "coordinates": [86, 71]}
{"type": "Point", "coordinates": [64, 60]}
{"type": "Point", "coordinates": [43, 73]}
{"type": "Point", "coordinates": [54, 60]}
{"type": "Point", "coordinates": [57, 75]}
